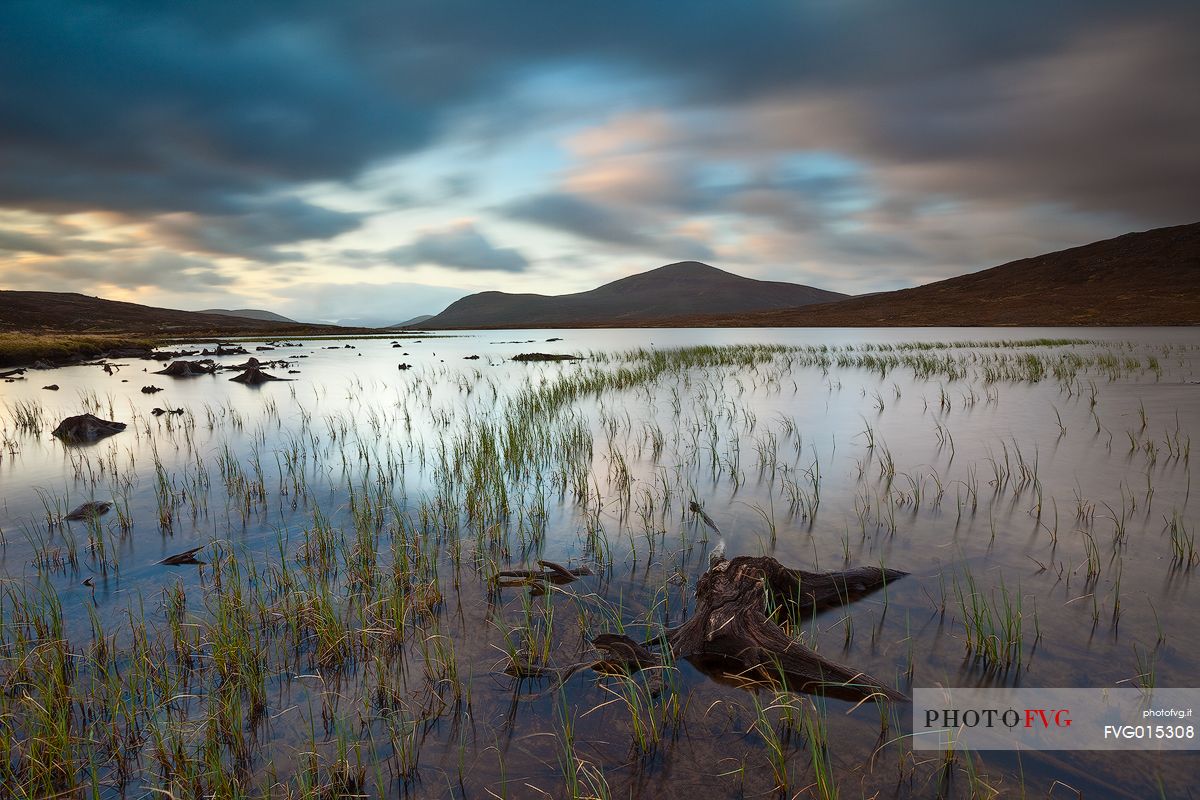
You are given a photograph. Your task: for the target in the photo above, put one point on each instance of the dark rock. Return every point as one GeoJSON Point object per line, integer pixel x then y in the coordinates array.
{"type": "Point", "coordinates": [158, 412]}
{"type": "Point", "coordinates": [151, 389]}
{"type": "Point", "coordinates": [545, 357]}
{"type": "Point", "coordinates": [471, 358]}
{"type": "Point", "coordinates": [52, 387]}
{"type": "Point", "coordinates": [89, 510]}
{"type": "Point", "coordinates": [86, 428]}
{"type": "Point", "coordinates": [254, 376]}
{"type": "Point", "coordinates": [226, 350]}
{"type": "Point", "coordinates": [186, 557]}
{"type": "Point", "coordinates": [187, 369]}
{"type": "Point", "coordinates": [405, 366]}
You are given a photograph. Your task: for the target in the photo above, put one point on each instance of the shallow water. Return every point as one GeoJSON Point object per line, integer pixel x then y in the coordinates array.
{"type": "Point", "coordinates": [1057, 494]}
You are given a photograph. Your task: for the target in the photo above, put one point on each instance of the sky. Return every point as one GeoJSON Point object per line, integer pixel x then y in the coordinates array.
{"type": "Point", "coordinates": [371, 161]}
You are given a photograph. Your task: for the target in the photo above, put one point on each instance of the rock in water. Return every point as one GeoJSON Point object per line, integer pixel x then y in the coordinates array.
{"type": "Point", "coordinates": [186, 369]}
{"type": "Point", "coordinates": [546, 357]}
{"type": "Point", "coordinates": [86, 428]}
{"type": "Point", "coordinates": [89, 510]}
{"type": "Point", "coordinates": [254, 376]}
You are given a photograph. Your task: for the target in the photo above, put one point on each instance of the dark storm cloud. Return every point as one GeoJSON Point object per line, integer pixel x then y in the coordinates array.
{"type": "Point", "coordinates": [257, 230]}
{"type": "Point", "coordinates": [15, 242]}
{"type": "Point", "coordinates": [601, 223]}
{"type": "Point", "coordinates": [150, 108]}
{"type": "Point", "coordinates": [461, 247]}
{"type": "Point", "coordinates": [170, 270]}
{"type": "Point", "coordinates": [575, 215]}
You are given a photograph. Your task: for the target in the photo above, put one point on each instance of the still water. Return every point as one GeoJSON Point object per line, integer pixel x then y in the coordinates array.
{"type": "Point", "coordinates": [1035, 483]}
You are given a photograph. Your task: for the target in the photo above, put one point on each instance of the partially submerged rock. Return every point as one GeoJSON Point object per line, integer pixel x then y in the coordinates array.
{"type": "Point", "coordinates": [186, 557]}
{"type": "Point", "coordinates": [158, 412]}
{"type": "Point", "coordinates": [52, 387]}
{"type": "Point", "coordinates": [86, 428]}
{"type": "Point", "coordinates": [151, 389]}
{"type": "Point", "coordinates": [223, 349]}
{"type": "Point", "coordinates": [89, 510]}
{"type": "Point", "coordinates": [546, 357]}
{"type": "Point", "coordinates": [254, 376]}
{"type": "Point", "coordinates": [188, 369]}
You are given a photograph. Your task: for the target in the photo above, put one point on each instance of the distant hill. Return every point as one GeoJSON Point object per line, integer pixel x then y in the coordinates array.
{"type": "Point", "coordinates": [1147, 278]}
{"type": "Point", "coordinates": [411, 322]}
{"type": "Point", "coordinates": [686, 287]}
{"type": "Point", "coordinates": [63, 312]}
{"type": "Point", "coordinates": [250, 313]}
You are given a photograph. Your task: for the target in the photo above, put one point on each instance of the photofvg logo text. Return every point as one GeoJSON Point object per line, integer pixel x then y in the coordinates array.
{"type": "Point", "coordinates": [1055, 719]}
{"type": "Point", "coordinates": [991, 717]}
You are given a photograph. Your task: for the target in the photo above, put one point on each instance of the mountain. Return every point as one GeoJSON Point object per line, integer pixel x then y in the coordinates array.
{"type": "Point", "coordinates": [1146, 278]}
{"type": "Point", "coordinates": [63, 312]}
{"type": "Point", "coordinates": [687, 287]}
{"type": "Point", "coordinates": [250, 313]}
{"type": "Point", "coordinates": [411, 322]}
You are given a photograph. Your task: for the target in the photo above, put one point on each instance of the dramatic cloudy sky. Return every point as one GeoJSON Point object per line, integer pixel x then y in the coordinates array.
{"type": "Point", "coordinates": [376, 160]}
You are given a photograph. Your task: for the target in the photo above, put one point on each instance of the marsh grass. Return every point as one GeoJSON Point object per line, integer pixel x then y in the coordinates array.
{"type": "Point", "coordinates": [342, 637]}
{"type": "Point", "coordinates": [26, 348]}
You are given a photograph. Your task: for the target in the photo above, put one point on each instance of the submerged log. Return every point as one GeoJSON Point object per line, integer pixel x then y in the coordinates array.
{"type": "Point", "coordinates": [555, 573]}
{"type": "Point", "coordinates": [86, 428]}
{"type": "Point", "coordinates": [537, 579]}
{"type": "Point", "coordinates": [186, 557]}
{"type": "Point", "coordinates": [730, 629]}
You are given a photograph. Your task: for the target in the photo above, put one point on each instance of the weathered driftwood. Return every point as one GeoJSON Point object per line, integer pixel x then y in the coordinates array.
{"type": "Point", "coordinates": [731, 634]}
{"type": "Point", "coordinates": [186, 557]}
{"type": "Point", "coordinates": [86, 428]}
{"type": "Point", "coordinates": [730, 629]}
{"type": "Point", "coordinates": [536, 579]}
{"type": "Point", "coordinates": [555, 573]}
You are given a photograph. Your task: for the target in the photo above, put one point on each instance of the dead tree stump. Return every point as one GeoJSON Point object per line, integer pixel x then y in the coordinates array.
{"type": "Point", "coordinates": [730, 627]}
{"type": "Point", "coordinates": [732, 634]}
